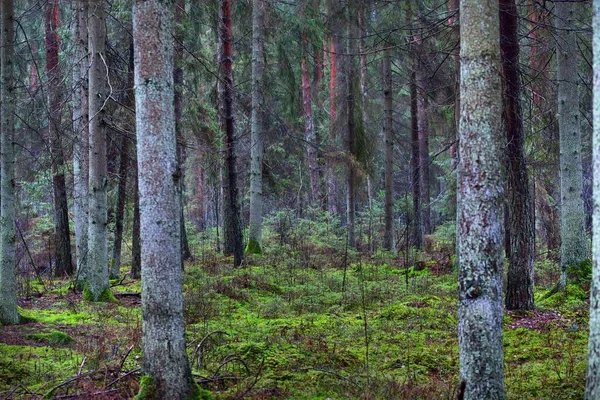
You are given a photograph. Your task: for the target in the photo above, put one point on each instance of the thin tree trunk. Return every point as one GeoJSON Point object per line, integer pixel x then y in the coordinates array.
{"type": "Point", "coordinates": [592, 381]}
{"type": "Point", "coordinates": [519, 291]}
{"type": "Point", "coordinates": [257, 141]}
{"type": "Point", "coordinates": [62, 237]}
{"type": "Point", "coordinates": [115, 269]}
{"type": "Point", "coordinates": [136, 247]}
{"type": "Point", "coordinates": [573, 247]}
{"type": "Point", "coordinates": [480, 207]}
{"type": "Point", "coordinates": [231, 209]}
{"type": "Point", "coordinates": [97, 288]}
{"type": "Point", "coordinates": [309, 125]}
{"type": "Point", "coordinates": [388, 134]}
{"type": "Point", "coordinates": [423, 128]}
{"type": "Point", "coordinates": [186, 253]}
{"type": "Point", "coordinates": [455, 24]}
{"type": "Point", "coordinates": [165, 360]}
{"type": "Point", "coordinates": [415, 162]}
{"type": "Point", "coordinates": [8, 280]}
{"type": "Point", "coordinates": [81, 139]}
{"type": "Point", "coordinates": [350, 74]}
{"type": "Point", "coordinates": [331, 178]}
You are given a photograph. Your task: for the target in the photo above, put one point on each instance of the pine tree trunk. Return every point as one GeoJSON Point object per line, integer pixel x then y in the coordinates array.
{"type": "Point", "coordinates": [62, 237]}
{"type": "Point", "coordinates": [165, 360]}
{"type": "Point", "coordinates": [415, 162]}
{"type": "Point", "coordinates": [97, 288]}
{"type": "Point", "coordinates": [331, 178]}
{"type": "Point", "coordinates": [309, 125]}
{"type": "Point", "coordinates": [480, 207]}
{"type": "Point", "coordinates": [81, 138]}
{"type": "Point", "coordinates": [388, 133]}
{"type": "Point", "coordinates": [350, 73]}
{"type": "Point", "coordinates": [232, 230]}
{"type": "Point", "coordinates": [136, 247]}
{"type": "Point", "coordinates": [592, 381]}
{"type": "Point", "coordinates": [520, 223]}
{"type": "Point", "coordinates": [573, 247]}
{"type": "Point", "coordinates": [423, 128]}
{"type": "Point", "coordinates": [8, 280]}
{"type": "Point", "coordinates": [257, 140]}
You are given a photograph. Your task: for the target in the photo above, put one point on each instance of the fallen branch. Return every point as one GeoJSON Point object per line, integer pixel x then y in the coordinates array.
{"type": "Point", "coordinates": [133, 371]}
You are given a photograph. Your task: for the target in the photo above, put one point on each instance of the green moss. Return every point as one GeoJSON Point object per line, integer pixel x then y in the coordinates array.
{"type": "Point", "coordinates": [253, 247]}
{"type": "Point", "coordinates": [54, 338]}
{"type": "Point", "coordinates": [200, 394]}
{"type": "Point", "coordinates": [105, 297]}
{"type": "Point", "coordinates": [147, 388]}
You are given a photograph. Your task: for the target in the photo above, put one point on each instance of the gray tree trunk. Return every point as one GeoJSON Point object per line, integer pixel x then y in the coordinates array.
{"type": "Point", "coordinates": [481, 202]}
{"type": "Point", "coordinates": [165, 360]}
{"type": "Point", "coordinates": [423, 127]}
{"type": "Point", "coordinates": [592, 381]}
{"type": "Point", "coordinates": [350, 74]}
{"type": "Point", "coordinates": [415, 162]}
{"type": "Point", "coordinates": [97, 288]}
{"type": "Point", "coordinates": [520, 221]}
{"type": "Point", "coordinates": [257, 140]}
{"type": "Point", "coordinates": [81, 135]}
{"type": "Point", "coordinates": [388, 135]}
{"type": "Point", "coordinates": [573, 248]}
{"type": "Point", "coordinates": [8, 280]}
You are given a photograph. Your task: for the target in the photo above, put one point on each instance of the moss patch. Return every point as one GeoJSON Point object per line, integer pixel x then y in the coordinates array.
{"type": "Point", "coordinates": [53, 338]}
{"type": "Point", "coordinates": [253, 247]}
{"type": "Point", "coordinates": [147, 388]}
{"type": "Point", "coordinates": [105, 297]}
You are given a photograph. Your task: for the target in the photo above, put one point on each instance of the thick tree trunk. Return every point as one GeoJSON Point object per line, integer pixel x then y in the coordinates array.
{"type": "Point", "coordinates": [115, 268]}
{"type": "Point", "coordinates": [232, 234]}
{"type": "Point", "coordinates": [415, 162]}
{"type": "Point", "coordinates": [136, 247]}
{"type": "Point", "coordinates": [186, 253]}
{"type": "Point", "coordinates": [388, 135]}
{"type": "Point", "coordinates": [423, 128]}
{"type": "Point", "coordinates": [573, 247]}
{"type": "Point", "coordinates": [257, 140]}
{"type": "Point", "coordinates": [81, 135]}
{"type": "Point", "coordinates": [455, 24]}
{"type": "Point", "coordinates": [480, 207]}
{"type": "Point", "coordinates": [62, 237]}
{"type": "Point", "coordinates": [97, 288]}
{"type": "Point", "coordinates": [520, 223]}
{"type": "Point", "coordinates": [8, 280]}
{"type": "Point", "coordinates": [592, 381]}
{"type": "Point", "coordinates": [165, 360]}
{"type": "Point", "coordinates": [309, 125]}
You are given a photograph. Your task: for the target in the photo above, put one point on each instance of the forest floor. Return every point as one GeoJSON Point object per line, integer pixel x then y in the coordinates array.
{"type": "Point", "coordinates": [304, 322]}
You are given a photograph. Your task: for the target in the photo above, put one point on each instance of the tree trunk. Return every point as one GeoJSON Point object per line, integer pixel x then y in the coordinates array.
{"type": "Point", "coordinates": [62, 237]}
{"type": "Point", "coordinates": [136, 247]}
{"type": "Point", "coordinates": [232, 234]}
{"type": "Point", "coordinates": [480, 207]}
{"type": "Point", "coordinates": [186, 253]}
{"type": "Point", "coordinates": [115, 268]}
{"type": "Point", "coordinates": [165, 360]}
{"type": "Point", "coordinates": [350, 74]}
{"type": "Point", "coordinates": [331, 178]}
{"type": "Point", "coordinates": [309, 125]}
{"type": "Point", "coordinates": [592, 381]}
{"type": "Point", "coordinates": [81, 139]}
{"type": "Point", "coordinates": [423, 135]}
{"type": "Point", "coordinates": [415, 162]}
{"type": "Point", "coordinates": [257, 141]}
{"type": "Point", "coordinates": [97, 288]}
{"type": "Point", "coordinates": [519, 291]}
{"type": "Point", "coordinates": [8, 280]}
{"type": "Point", "coordinates": [573, 249]}
{"type": "Point", "coordinates": [388, 134]}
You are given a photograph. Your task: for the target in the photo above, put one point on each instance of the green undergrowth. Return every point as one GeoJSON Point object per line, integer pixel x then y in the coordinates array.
{"type": "Point", "coordinates": [307, 321]}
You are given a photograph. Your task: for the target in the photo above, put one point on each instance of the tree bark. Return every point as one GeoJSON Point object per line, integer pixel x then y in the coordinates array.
{"type": "Point", "coordinates": [81, 135]}
{"type": "Point", "coordinates": [480, 207]}
{"type": "Point", "coordinates": [62, 237]}
{"type": "Point", "coordinates": [309, 125]}
{"type": "Point", "coordinates": [97, 288]}
{"type": "Point", "coordinates": [257, 140]}
{"type": "Point", "coordinates": [423, 135]}
{"type": "Point", "coordinates": [136, 247]}
{"type": "Point", "coordinates": [8, 280]}
{"type": "Point", "coordinates": [573, 249]}
{"type": "Point", "coordinates": [165, 360]}
{"type": "Point", "coordinates": [232, 234]}
{"type": "Point", "coordinates": [415, 162]}
{"type": "Point", "coordinates": [592, 381]}
{"type": "Point", "coordinates": [388, 134]}
{"type": "Point", "coordinates": [350, 73]}
{"type": "Point", "coordinates": [520, 223]}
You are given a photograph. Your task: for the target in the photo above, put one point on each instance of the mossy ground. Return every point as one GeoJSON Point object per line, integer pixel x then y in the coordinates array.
{"type": "Point", "coordinates": [298, 323]}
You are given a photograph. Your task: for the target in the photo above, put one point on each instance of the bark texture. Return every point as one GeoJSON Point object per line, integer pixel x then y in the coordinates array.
{"type": "Point", "coordinates": [257, 139]}
{"type": "Point", "coordinates": [423, 137]}
{"type": "Point", "coordinates": [165, 360]}
{"type": "Point", "coordinates": [520, 225]}
{"type": "Point", "coordinates": [480, 207]}
{"type": "Point", "coordinates": [62, 237]}
{"type": "Point", "coordinates": [232, 234]}
{"type": "Point", "coordinates": [415, 163]}
{"type": "Point", "coordinates": [592, 381]}
{"type": "Point", "coordinates": [81, 135]}
{"type": "Point", "coordinates": [350, 72]}
{"type": "Point", "coordinates": [8, 280]}
{"type": "Point", "coordinates": [388, 135]}
{"type": "Point", "coordinates": [309, 125]}
{"type": "Point", "coordinates": [97, 271]}
{"type": "Point", "coordinates": [573, 249]}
